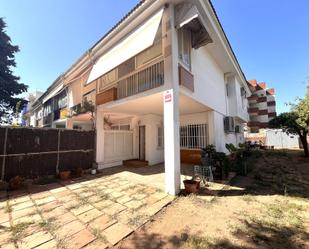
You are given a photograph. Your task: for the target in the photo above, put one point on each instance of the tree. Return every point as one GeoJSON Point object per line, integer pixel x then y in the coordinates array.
{"type": "Point", "coordinates": [296, 121]}
{"type": "Point", "coordinates": [9, 85]}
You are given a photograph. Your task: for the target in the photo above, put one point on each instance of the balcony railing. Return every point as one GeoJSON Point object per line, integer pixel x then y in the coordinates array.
{"type": "Point", "coordinates": [146, 79]}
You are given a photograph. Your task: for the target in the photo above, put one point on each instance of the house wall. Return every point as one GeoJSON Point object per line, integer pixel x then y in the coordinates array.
{"type": "Point", "coordinates": [154, 155]}
{"type": "Point", "coordinates": [208, 80]}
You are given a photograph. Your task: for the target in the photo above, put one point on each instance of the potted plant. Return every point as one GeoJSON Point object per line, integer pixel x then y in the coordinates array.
{"type": "Point", "coordinates": [16, 182]}
{"type": "Point", "coordinates": [65, 175]}
{"type": "Point", "coordinates": [192, 186]}
{"type": "Point", "coordinates": [94, 168]}
{"type": "Point", "coordinates": [79, 172]}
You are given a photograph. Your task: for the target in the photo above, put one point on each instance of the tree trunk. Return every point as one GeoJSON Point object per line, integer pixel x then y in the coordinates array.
{"type": "Point", "coordinates": [303, 139]}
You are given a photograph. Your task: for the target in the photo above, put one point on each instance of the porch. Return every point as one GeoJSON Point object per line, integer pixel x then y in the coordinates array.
{"type": "Point", "coordinates": [136, 128]}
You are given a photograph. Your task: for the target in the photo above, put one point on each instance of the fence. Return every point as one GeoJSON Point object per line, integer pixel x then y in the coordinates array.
{"type": "Point", "coordinates": [36, 152]}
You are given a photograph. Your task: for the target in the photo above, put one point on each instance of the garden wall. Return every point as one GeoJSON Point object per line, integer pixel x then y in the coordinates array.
{"type": "Point", "coordinates": [33, 152]}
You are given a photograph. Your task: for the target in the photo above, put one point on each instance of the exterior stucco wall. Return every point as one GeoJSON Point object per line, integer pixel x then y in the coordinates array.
{"type": "Point", "coordinates": [154, 155]}
{"type": "Point", "coordinates": [209, 86]}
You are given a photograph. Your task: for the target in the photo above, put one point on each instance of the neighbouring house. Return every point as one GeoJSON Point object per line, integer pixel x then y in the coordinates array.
{"type": "Point", "coordinates": [165, 82]}
{"type": "Point", "coordinates": [262, 106]}
{"type": "Point", "coordinates": [27, 118]}
{"type": "Point", "coordinates": [60, 106]}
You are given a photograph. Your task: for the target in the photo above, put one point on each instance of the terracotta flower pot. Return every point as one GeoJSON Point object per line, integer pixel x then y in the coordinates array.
{"type": "Point", "coordinates": [191, 186]}
{"type": "Point", "coordinates": [65, 175]}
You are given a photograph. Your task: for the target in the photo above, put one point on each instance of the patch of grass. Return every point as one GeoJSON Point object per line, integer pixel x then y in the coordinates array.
{"type": "Point", "coordinates": [98, 234]}
{"type": "Point", "coordinates": [198, 242]}
{"type": "Point", "coordinates": [49, 225]}
{"type": "Point", "coordinates": [137, 219]}
{"type": "Point", "coordinates": [248, 198]}
{"type": "Point", "coordinates": [61, 243]}
{"type": "Point", "coordinates": [8, 208]}
{"type": "Point", "coordinates": [18, 231]}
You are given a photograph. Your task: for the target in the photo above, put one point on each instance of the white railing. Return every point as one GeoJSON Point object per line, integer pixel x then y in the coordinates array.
{"type": "Point", "coordinates": [145, 79]}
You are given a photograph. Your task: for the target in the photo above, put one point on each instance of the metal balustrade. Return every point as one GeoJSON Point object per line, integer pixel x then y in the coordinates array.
{"type": "Point", "coordinates": [145, 79]}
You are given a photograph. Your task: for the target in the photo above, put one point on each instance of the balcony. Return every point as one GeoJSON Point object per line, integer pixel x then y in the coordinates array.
{"type": "Point", "coordinates": [142, 80]}
{"type": "Point", "coordinates": [186, 79]}
{"type": "Point", "coordinates": [106, 96]}
{"type": "Point", "coordinates": [48, 119]}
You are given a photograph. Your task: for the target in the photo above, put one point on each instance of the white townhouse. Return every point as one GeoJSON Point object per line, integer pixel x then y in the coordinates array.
{"type": "Point", "coordinates": [168, 84]}
{"type": "Point", "coordinates": [165, 83]}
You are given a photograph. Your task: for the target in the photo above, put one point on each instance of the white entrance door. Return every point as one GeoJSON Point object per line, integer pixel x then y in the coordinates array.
{"type": "Point", "coordinates": [118, 145]}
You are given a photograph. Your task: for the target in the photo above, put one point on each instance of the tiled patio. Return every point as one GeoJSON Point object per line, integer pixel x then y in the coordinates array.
{"type": "Point", "coordinates": [88, 212]}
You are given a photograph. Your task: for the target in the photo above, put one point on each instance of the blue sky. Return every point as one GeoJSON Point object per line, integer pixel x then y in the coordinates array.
{"type": "Point", "coordinates": [269, 38]}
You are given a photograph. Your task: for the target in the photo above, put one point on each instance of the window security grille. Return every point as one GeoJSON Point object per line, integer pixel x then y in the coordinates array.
{"type": "Point", "coordinates": [193, 136]}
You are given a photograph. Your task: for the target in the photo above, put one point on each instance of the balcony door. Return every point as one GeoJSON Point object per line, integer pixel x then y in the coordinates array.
{"type": "Point", "coordinates": [142, 143]}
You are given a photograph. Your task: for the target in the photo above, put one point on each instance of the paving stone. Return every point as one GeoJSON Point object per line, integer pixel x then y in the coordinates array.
{"type": "Point", "coordinates": [134, 204]}
{"type": "Point", "coordinates": [22, 205]}
{"type": "Point", "coordinates": [81, 209]}
{"type": "Point", "coordinates": [58, 190]}
{"type": "Point", "coordinates": [114, 209]}
{"type": "Point", "coordinates": [63, 194]}
{"type": "Point", "coordinates": [4, 226]}
{"type": "Point", "coordinates": [58, 211]}
{"type": "Point", "coordinates": [71, 204]}
{"type": "Point", "coordinates": [80, 239]}
{"type": "Point", "coordinates": [103, 204]}
{"type": "Point", "coordinates": [35, 239]}
{"type": "Point", "coordinates": [156, 207]}
{"type": "Point", "coordinates": [45, 200]}
{"type": "Point", "coordinates": [74, 186]}
{"type": "Point", "coordinates": [115, 194]}
{"type": "Point", "coordinates": [102, 222]}
{"type": "Point", "coordinates": [94, 199]}
{"type": "Point", "coordinates": [52, 244]}
{"type": "Point", "coordinates": [89, 215]}
{"type": "Point", "coordinates": [23, 212]}
{"type": "Point", "coordinates": [50, 206]}
{"type": "Point", "coordinates": [97, 244]}
{"type": "Point", "coordinates": [4, 237]}
{"type": "Point", "coordinates": [40, 195]}
{"type": "Point", "coordinates": [27, 219]}
{"type": "Point", "coordinates": [4, 217]}
{"type": "Point", "coordinates": [116, 232]}
{"type": "Point", "coordinates": [19, 200]}
{"type": "Point", "coordinates": [70, 229]}
{"type": "Point", "coordinates": [64, 219]}
{"type": "Point", "coordinates": [124, 199]}
{"type": "Point", "coordinates": [138, 196]}
{"type": "Point", "coordinates": [8, 246]}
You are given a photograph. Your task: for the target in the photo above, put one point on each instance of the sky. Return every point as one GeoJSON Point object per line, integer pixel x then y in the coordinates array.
{"type": "Point", "coordinates": [269, 38]}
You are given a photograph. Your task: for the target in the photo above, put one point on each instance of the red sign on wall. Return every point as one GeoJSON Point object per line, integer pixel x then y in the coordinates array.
{"type": "Point", "coordinates": [167, 97]}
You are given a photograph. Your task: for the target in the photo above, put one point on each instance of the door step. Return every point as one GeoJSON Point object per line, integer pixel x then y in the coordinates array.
{"type": "Point", "coordinates": [135, 163]}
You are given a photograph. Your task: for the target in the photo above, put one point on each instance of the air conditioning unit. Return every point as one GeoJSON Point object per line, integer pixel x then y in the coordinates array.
{"type": "Point", "coordinates": [237, 129]}
{"type": "Point", "coordinates": [229, 125]}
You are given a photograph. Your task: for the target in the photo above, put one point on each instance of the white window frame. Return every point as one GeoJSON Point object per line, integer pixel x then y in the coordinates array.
{"type": "Point", "coordinates": [193, 136]}
{"type": "Point", "coordinates": [160, 137]}
{"type": "Point", "coordinates": [184, 43]}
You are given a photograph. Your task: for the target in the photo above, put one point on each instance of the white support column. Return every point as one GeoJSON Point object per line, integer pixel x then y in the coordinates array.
{"type": "Point", "coordinates": [171, 103]}
{"type": "Point", "coordinates": [171, 142]}
{"type": "Point", "coordinates": [100, 137]}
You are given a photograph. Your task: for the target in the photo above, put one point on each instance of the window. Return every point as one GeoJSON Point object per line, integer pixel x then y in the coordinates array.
{"type": "Point", "coordinates": [160, 144]}
{"type": "Point", "coordinates": [193, 136]}
{"type": "Point", "coordinates": [120, 127]}
{"type": "Point", "coordinates": [184, 46]}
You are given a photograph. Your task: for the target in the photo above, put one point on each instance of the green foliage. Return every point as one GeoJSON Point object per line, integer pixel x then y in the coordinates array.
{"type": "Point", "coordinates": [9, 86]}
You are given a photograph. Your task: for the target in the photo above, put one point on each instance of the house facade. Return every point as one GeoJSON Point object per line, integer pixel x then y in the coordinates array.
{"type": "Point", "coordinates": [168, 84]}
{"type": "Point", "coordinates": [165, 83]}
{"type": "Point", "coordinates": [262, 105]}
